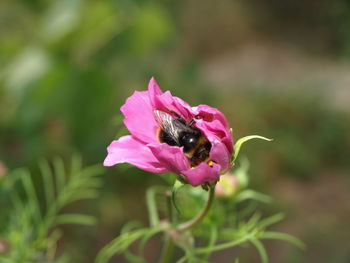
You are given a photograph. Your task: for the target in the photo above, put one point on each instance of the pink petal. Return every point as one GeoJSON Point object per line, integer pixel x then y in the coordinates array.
{"type": "Point", "coordinates": [220, 155]}
{"type": "Point", "coordinates": [139, 118]}
{"type": "Point", "coordinates": [220, 140]}
{"type": "Point", "coordinates": [216, 130]}
{"type": "Point", "coordinates": [153, 88]}
{"type": "Point", "coordinates": [171, 157]}
{"type": "Point", "coordinates": [202, 173]}
{"type": "Point", "coordinates": [165, 101]}
{"type": "Point", "coordinates": [210, 116]}
{"type": "Point", "coordinates": [130, 150]}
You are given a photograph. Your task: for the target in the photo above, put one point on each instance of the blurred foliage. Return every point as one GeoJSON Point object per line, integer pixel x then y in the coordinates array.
{"type": "Point", "coordinates": [55, 82]}
{"type": "Point", "coordinates": [309, 136]}
{"type": "Point", "coordinates": [34, 214]}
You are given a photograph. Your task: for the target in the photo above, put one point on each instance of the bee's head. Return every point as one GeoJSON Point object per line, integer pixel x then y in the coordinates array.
{"type": "Point", "coordinates": [189, 140]}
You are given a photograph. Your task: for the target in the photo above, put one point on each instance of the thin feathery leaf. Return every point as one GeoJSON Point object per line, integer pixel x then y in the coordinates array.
{"type": "Point", "coordinates": [130, 257]}
{"type": "Point", "coordinates": [152, 232]}
{"type": "Point", "coordinates": [119, 245]}
{"type": "Point", "coordinates": [76, 165]}
{"type": "Point", "coordinates": [270, 220]}
{"type": "Point", "coordinates": [60, 174]}
{"type": "Point", "coordinates": [252, 222]}
{"type": "Point", "coordinates": [176, 187]}
{"type": "Point", "coordinates": [17, 202]}
{"type": "Point", "coordinates": [212, 240]}
{"type": "Point", "coordinates": [128, 227]}
{"type": "Point", "coordinates": [225, 245]}
{"type": "Point", "coordinates": [152, 205]}
{"type": "Point", "coordinates": [253, 195]}
{"type": "Point", "coordinates": [282, 236]}
{"type": "Point", "coordinates": [261, 249]}
{"type": "Point", "coordinates": [30, 231]}
{"type": "Point", "coordinates": [132, 225]}
{"type": "Point", "coordinates": [31, 195]}
{"type": "Point", "coordinates": [47, 176]}
{"type": "Point", "coordinates": [90, 171]}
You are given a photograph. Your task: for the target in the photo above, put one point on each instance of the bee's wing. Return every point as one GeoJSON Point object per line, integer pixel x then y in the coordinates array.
{"type": "Point", "coordinates": [169, 124]}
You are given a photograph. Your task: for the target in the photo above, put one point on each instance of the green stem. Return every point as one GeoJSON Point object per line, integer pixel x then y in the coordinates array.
{"type": "Point", "coordinates": [169, 243]}
{"type": "Point", "coordinates": [189, 224]}
{"type": "Point", "coordinates": [168, 247]}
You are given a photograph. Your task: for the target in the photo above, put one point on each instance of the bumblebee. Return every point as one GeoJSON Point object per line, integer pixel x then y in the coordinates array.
{"type": "Point", "coordinates": [175, 131]}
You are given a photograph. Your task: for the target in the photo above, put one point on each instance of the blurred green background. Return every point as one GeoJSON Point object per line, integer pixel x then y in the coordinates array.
{"type": "Point", "coordinates": [280, 69]}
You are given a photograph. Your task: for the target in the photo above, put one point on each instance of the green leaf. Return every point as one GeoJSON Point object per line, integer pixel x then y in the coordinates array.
{"type": "Point", "coordinates": [240, 142]}
{"type": "Point", "coordinates": [119, 244]}
{"type": "Point", "coordinates": [77, 165]}
{"type": "Point", "coordinates": [261, 249]}
{"type": "Point", "coordinates": [152, 232]}
{"type": "Point", "coordinates": [31, 195]}
{"type": "Point", "coordinates": [282, 236]}
{"type": "Point", "coordinates": [226, 245]}
{"type": "Point", "coordinates": [49, 188]}
{"type": "Point", "coordinates": [212, 239]}
{"type": "Point", "coordinates": [91, 171]}
{"type": "Point", "coordinates": [190, 257]}
{"type": "Point", "coordinates": [59, 173]}
{"type": "Point", "coordinates": [247, 210]}
{"type": "Point", "coordinates": [152, 205]}
{"type": "Point", "coordinates": [128, 227]}
{"type": "Point", "coordinates": [252, 222]}
{"type": "Point", "coordinates": [32, 219]}
{"type": "Point", "coordinates": [176, 187]}
{"type": "Point", "coordinates": [253, 195]}
{"type": "Point", "coordinates": [131, 225]}
{"type": "Point", "coordinates": [270, 220]}
{"type": "Point", "coordinates": [130, 257]}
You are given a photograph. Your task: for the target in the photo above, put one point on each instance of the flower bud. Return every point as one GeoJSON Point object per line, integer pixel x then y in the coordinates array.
{"type": "Point", "coordinates": [4, 246]}
{"type": "Point", "coordinates": [3, 169]}
{"type": "Point", "coordinates": [227, 186]}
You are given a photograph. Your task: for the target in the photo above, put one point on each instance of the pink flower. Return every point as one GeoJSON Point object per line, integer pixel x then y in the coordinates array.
{"type": "Point", "coordinates": [168, 135]}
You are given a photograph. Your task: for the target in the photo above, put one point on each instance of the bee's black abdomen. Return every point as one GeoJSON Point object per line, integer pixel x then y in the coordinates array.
{"type": "Point", "coordinates": [201, 154]}
{"type": "Point", "coordinates": [167, 138]}
{"type": "Point", "coordinates": [188, 141]}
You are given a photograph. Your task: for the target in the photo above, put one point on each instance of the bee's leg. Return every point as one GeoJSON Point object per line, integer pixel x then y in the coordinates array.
{"type": "Point", "coordinates": [191, 123]}
{"type": "Point", "coordinates": [177, 116]}
{"type": "Point", "coordinates": [206, 186]}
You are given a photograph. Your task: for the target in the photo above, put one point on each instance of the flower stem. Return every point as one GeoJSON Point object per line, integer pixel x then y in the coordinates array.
{"type": "Point", "coordinates": [189, 224]}
{"type": "Point", "coordinates": [168, 250]}
{"type": "Point", "coordinates": [168, 247]}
